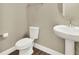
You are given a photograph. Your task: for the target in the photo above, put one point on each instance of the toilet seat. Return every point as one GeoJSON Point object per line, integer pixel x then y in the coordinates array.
{"type": "Point", "coordinates": [24, 43]}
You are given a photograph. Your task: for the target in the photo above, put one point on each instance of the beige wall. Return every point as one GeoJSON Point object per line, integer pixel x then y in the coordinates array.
{"type": "Point", "coordinates": [46, 16]}
{"type": "Point", "coordinates": [71, 11]}
{"type": "Point", "coordinates": [13, 19]}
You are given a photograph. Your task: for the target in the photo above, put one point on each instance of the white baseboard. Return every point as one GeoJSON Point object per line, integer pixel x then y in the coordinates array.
{"type": "Point", "coordinates": [38, 46]}
{"type": "Point", "coordinates": [47, 50]}
{"type": "Point", "coordinates": [8, 51]}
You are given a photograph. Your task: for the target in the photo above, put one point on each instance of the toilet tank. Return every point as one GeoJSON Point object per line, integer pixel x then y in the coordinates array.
{"type": "Point", "coordinates": [34, 32]}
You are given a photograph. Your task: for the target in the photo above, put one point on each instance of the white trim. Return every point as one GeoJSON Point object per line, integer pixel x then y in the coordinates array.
{"type": "Point", "coordinates": [47, 50]}
{"type": "Point", "coordinates": [38, 46]}
{"type": "Point", "coordinates": [8, 51]}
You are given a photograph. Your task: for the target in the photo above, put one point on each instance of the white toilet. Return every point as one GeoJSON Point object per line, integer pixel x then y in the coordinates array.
{"type": "Point", "coordinates": [25, 45]}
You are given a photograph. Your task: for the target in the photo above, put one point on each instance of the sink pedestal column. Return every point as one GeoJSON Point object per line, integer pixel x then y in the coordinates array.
{"type": "Point", "coordinates": [69, 47]}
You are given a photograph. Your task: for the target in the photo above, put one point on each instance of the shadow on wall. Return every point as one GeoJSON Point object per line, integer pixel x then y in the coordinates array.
{"type": "Point", "coordinates": [26, 35]}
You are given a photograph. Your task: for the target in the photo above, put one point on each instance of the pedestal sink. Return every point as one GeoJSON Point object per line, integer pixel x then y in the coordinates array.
{"type": "Point", "coordinates": [70, 34]}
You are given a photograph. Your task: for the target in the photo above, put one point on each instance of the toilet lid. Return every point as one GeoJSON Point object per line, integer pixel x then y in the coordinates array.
{"type": "Point", "coordinates": [24, 42]}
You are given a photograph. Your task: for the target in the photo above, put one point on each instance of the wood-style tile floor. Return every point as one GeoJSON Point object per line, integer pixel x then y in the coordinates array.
{"type": "Point", "coordinates": [36, 52]}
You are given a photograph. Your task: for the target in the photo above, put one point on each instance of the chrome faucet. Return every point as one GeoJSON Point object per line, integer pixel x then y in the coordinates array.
{"type": "Point", "coordinates": [70, 22]}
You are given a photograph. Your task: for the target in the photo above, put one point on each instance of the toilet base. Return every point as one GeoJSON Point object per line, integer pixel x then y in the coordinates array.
{"type": "Point", "coordinates": [28, 51]}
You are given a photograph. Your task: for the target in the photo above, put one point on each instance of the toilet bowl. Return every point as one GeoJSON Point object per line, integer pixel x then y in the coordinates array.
{"type": "Point", "coordinates": [25, 45]}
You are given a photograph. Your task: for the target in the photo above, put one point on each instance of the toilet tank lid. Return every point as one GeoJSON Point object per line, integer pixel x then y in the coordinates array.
{"type": "Point", "coordinates": [33, 27]}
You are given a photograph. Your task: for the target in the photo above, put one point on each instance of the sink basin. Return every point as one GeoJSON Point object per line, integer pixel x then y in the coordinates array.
{"type": "Point", "coordinates": [70, 34]}
{"type": "Point", "coordinates": [67, 32]}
